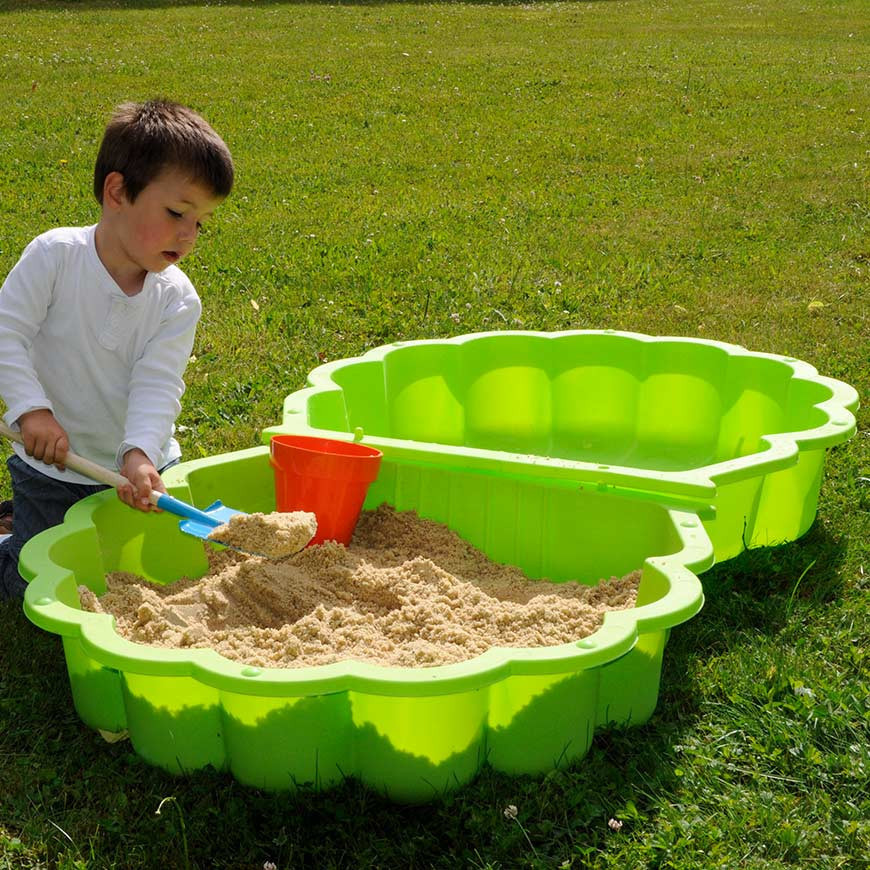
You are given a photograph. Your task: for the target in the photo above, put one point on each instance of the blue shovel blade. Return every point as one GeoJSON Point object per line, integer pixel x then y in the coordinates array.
{"type": "Point", "coordinates": [218, 512]}
{"type": "Point", "coordinates": [199, 523]}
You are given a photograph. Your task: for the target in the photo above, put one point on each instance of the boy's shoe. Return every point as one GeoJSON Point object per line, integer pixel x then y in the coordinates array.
{"type": "Point", "coordinates": [6, 517]}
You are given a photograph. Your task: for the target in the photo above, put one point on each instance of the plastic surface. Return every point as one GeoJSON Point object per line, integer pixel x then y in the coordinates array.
{"type": "Point", "coordinates": [411, 733]}
{"type": "Point", "coordinates": [694, 422]}
{"type": "Point", "coordinates": [326, 477]}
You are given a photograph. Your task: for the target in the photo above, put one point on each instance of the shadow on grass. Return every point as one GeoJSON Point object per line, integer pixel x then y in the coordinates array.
{"type": "Point", "coordinates": [752, 594]}
{"type": "Point", "coordinates": [759, 588]}
{"type": "Point", "coordinates": [55, 773]}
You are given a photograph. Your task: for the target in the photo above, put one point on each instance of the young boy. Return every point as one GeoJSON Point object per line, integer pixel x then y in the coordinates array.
{"type": "Point", "coordinates": [97, 323]}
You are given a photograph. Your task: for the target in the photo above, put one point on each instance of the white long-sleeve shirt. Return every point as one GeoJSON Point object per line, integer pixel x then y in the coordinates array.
{"type": "Point", "coordinates": [109, 366]}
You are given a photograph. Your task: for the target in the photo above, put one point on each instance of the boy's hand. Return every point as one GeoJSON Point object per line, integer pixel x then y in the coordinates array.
{"type": "Point", "coordinates": [44, 438]}
{"type": "Point", "coordinates": [143, 477]}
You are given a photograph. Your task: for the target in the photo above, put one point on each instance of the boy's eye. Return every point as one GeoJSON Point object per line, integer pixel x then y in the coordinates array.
{"type": "Point", "coordinates": [175, 214]}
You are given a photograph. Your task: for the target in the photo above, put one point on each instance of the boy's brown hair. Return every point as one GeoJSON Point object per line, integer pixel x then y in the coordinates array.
{"type": "Point", "coordinates": [143, 139]}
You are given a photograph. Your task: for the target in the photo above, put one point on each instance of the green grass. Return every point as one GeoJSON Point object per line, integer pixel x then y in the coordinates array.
{"type": "Point", "coordinates": [417, 170]}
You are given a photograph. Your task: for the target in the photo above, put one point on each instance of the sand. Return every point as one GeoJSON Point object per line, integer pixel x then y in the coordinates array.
{"type": "Point", "coordinates": [406, 592]}
{"type": "Point", "coordinates": [273, 535]}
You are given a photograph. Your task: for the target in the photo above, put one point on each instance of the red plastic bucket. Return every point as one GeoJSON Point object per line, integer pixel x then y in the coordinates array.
{"type": "Point", "coordinates": [327, 477]}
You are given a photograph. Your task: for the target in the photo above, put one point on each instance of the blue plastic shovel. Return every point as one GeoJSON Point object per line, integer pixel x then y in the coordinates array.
{"type": "Point", "coordinates": [196, 522]}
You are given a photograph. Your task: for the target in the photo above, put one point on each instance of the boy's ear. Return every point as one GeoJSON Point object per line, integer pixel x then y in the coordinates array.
{"type": "Point", "coordinates": [113, 190]}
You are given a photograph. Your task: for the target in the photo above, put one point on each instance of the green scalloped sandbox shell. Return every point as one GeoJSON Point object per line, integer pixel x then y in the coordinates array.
{"type": "Point", "coordinates": [693, 421]}
{"type": "Point", "coordinates": [411, 733]}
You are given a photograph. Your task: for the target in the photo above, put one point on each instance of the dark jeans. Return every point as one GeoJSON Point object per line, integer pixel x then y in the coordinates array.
{"type": "Point", "coordinates": [38, 503]}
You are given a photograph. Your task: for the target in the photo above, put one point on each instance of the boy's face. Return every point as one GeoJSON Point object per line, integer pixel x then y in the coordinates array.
{"type": "Point", "coordinates": [161, 225]}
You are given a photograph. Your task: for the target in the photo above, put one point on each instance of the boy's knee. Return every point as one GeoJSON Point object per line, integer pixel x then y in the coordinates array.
{"type": "Point", "coordinates": [12, 584]}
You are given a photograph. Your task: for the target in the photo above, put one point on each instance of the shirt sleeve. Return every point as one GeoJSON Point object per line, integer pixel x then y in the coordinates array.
{"type": "Point", "coordinates": [156, 383]}
{"type": "Point", "coordinates": [24, 301]}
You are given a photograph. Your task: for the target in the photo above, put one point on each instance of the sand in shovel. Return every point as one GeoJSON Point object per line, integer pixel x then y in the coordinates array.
{"type": "Point", "coordinates": [272, 535]}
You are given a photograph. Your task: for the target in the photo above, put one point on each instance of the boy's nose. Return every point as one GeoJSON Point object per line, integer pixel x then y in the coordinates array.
{"type": "Point", "coordinates": [188, 231]}
{"type": "Point", "coordinates": [187, 235]}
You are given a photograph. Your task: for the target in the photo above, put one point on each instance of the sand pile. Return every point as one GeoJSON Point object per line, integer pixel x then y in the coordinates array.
{"type": "Point", "coordinates": [407, 591]}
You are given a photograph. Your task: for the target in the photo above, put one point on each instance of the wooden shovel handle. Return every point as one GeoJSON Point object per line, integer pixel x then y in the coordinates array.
{"type": "Point", "coordinates": [77, 463]}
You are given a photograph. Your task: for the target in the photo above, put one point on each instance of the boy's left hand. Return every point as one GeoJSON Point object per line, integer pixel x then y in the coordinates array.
{"type": "Point", "coordinates": [143, 477]}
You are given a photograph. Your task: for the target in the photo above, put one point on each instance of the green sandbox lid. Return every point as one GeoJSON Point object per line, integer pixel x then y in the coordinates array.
{"type": "Point", "coordinates": [690, 421]}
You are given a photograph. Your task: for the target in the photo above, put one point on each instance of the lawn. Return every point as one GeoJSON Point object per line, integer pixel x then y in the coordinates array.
{"type": "Point", "coordinates": [412, 170]}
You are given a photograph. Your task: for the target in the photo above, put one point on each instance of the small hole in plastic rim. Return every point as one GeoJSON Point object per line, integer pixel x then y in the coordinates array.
{"type": "Point", "coordinates": [586, 644]}
{"type": "Point", "coordinates": [251, 672]}
{"type": "Point", "coordinates": [603, 467]}
{"type": "Point", "coordinates": [44, 600]}
{"type": "Point", "coordinates": [689, 524]}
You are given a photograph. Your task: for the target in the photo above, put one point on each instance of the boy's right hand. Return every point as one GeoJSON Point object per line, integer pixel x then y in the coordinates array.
{"type": "Point", "coordinates": [144, 478]}
{"type": "Point", "coordinates": [44, 438]}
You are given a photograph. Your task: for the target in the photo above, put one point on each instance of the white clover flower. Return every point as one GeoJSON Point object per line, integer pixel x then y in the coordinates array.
{"type": "Point", "coordinates": [510, 812]}
{"type": "Point", "coordinates": [614, 824]}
